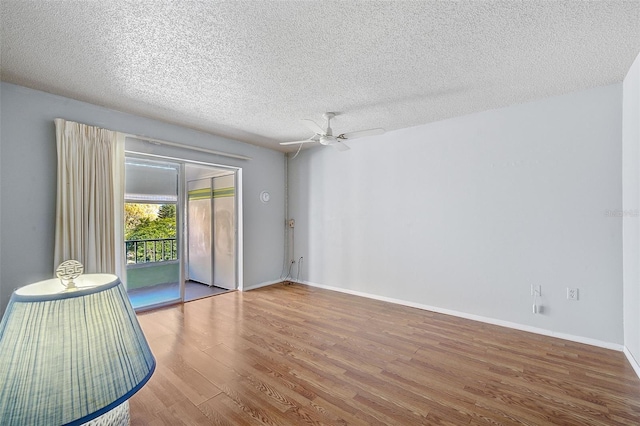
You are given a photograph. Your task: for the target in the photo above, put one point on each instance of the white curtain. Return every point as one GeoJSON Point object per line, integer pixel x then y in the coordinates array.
{"type": "Point", "coordinates": [90, 202]}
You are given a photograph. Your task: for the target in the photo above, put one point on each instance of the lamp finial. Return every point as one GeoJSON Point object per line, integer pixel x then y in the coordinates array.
{"type": "Point", "coordinates": [68, 271]}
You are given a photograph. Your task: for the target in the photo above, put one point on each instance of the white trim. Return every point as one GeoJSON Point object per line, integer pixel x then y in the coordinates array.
{"type": "Point", "coordinates": [239, 230]}
{"type": "Point", "coordinates": [181, 224]}
{"type": "Point", "coordinates": [150, 199]}
{"type": "Point", "coordinates": [263, 284]}
{"type": "Point", "coordinates": [473, 317]}
{"type": "Point", "coordinates": [183, 146]}
{"type": "Point", "coordinates": [632, 361]}
{"type": "Point", "coordinates": [138, 154]}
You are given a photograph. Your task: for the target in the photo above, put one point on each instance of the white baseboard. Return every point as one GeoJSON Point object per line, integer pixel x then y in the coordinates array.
{"type": "Point", "coordinates": [632, 361]}
{"type": "Point", "coordinates": [264, 284]}
{"type": "Point", "coordinates": [513, 325]}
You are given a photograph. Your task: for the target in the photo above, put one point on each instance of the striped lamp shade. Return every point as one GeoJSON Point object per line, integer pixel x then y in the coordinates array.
{"type": "Point", "coordinates": [67, 357]}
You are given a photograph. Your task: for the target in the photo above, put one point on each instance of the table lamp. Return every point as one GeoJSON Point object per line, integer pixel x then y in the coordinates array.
{"type": "Point", "coordinates": [71, 352]}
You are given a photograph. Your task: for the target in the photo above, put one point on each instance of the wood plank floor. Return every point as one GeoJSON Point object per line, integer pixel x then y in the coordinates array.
{"type": "Point", "coordinates": [292, 354]}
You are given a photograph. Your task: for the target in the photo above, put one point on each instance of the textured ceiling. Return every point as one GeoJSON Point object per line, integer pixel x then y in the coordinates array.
{"type": "Point", "coordinates": [250, 70]}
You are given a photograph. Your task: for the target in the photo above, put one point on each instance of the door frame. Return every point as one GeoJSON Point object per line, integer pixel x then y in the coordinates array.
{"type": "Point", "coordinates": [182, 217]}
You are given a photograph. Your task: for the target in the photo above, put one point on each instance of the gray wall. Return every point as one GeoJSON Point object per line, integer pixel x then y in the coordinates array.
{"type": "Point", "coordinates": [465, 214]}
{"type": "Point", "coordinates": [631, 193]}
{"type": "Point", "coordinates": [28, 184]}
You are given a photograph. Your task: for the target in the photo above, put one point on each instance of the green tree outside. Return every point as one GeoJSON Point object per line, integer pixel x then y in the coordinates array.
{"type": "Point", "coordinates": [135, 212]}
{"type": "Point", "coordinates": [149, 229]}
{"type": "Point", "coordinates": [140, 225]}
{"type": "Point", "coordinates": [167, 211]}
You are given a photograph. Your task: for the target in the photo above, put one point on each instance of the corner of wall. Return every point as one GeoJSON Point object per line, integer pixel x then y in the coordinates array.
{"type": "Point", "coordinates": [631, 203]}
{"type": "Point", "coordinates": [634, 364]}
{"type": "Point", "coordinates": [260, 285]}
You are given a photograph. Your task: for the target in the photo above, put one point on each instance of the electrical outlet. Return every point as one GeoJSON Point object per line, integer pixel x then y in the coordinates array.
{"type": "Point", "coordinates": [572, 293]}
{"type": "Point", "coordinates": [291, 223]}
{"type": "Point", "coordinates": [536, 290]}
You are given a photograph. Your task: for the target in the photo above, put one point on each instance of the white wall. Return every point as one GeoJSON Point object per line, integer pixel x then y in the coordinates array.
{"type": "Point", "coordinates": [465, 214]}
{"type": "Point", "coordinates": [631, 192]}
{"type": "Point", "coordinates": [28, 184]}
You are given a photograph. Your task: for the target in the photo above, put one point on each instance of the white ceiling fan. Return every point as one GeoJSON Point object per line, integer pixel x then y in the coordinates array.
{"type": "Point", "coordinates": [325, 136]}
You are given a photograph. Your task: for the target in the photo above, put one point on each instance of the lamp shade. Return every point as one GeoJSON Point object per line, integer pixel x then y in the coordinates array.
{"type": "Point", "coordinates": [67, 357]}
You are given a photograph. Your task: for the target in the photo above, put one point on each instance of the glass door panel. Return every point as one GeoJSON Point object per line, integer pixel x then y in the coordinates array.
{"type": "Point", "coordinates": [224, 232]}
{"type": "Point", "coordinates": [151, 237]}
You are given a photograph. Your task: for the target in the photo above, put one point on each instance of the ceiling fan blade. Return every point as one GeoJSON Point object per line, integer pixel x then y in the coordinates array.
{"type": "Point", "coordinates": [361, 133]}
{"type": "Point", "coordinates": [297, 142]}
{"type": "Point", "coordinates": [340, 146]}
{"type": "Point", "coordinates": [313, 126]}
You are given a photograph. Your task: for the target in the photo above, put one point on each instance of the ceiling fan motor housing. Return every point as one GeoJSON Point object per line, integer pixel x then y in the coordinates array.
{"type": "Point", "coordinates": [325, 136]}
{"type": "Point", "coordinates": [327, 139]}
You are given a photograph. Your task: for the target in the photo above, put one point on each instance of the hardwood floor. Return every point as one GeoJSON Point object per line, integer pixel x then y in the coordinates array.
{"type": "Point", "coordinates": [292, 354]}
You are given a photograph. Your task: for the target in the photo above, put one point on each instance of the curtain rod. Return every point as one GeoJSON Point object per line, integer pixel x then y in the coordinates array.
{"type": "Point", "coordinates": [193, 148]}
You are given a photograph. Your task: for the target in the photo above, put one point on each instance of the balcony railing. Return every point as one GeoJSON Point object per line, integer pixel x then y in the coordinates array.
{"type": "Point", "coordinates": [148, 251]}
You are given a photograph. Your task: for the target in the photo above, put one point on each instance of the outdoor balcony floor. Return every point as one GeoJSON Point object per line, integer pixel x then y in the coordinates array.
{"type": "Point", "coordinates": [147, 297]}
{"type": "Point", "coordinates": [156, 283]}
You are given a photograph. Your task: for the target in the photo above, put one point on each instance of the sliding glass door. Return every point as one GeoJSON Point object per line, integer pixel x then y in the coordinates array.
{"type": "Point", "coordinates": [181, 230]}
